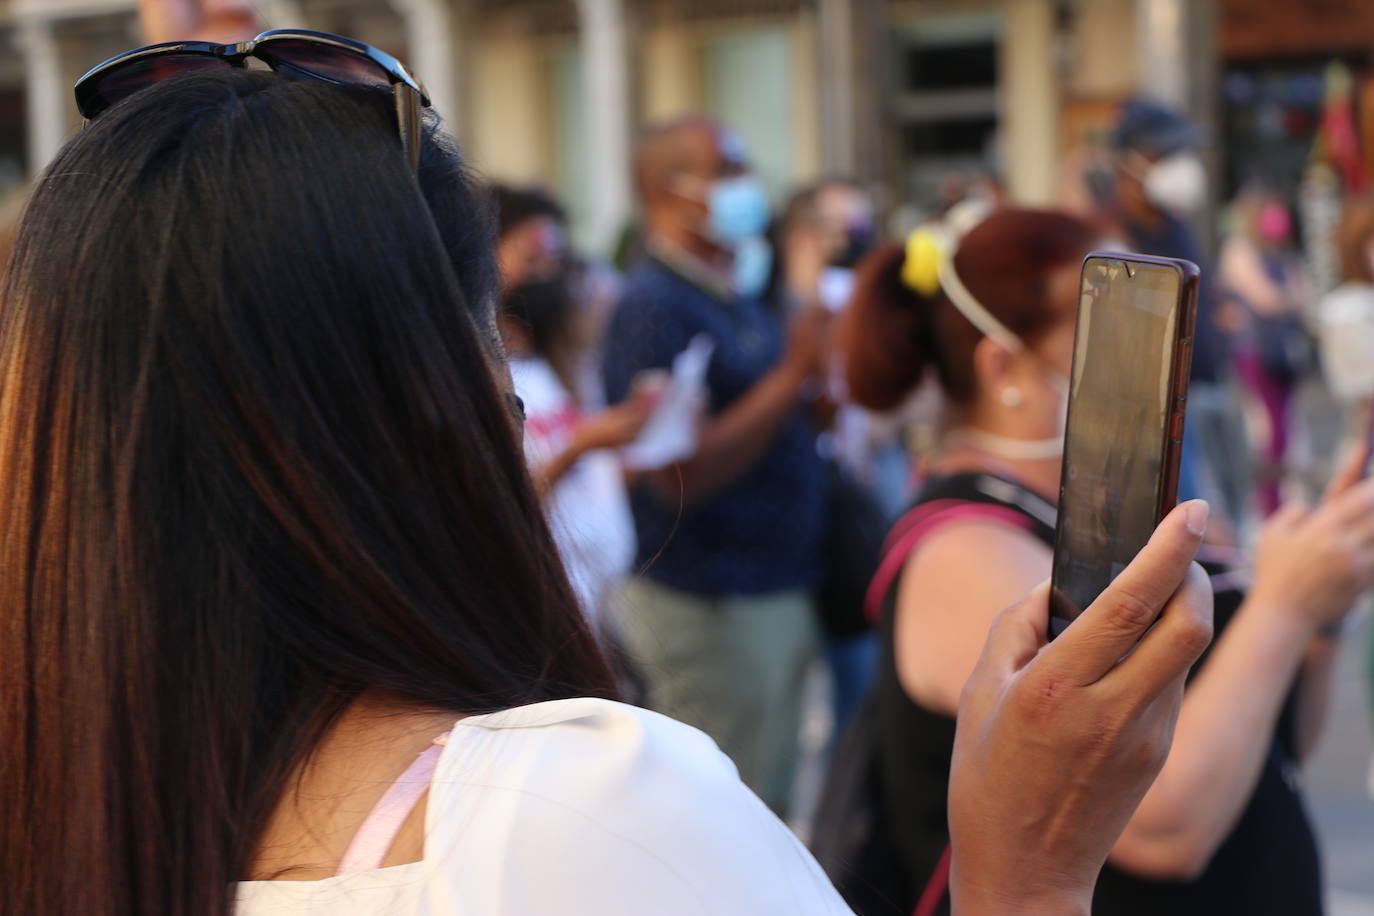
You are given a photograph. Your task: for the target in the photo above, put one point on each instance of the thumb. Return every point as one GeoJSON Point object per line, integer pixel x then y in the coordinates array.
{"type": "Point", "coordinates": [1350, 472]}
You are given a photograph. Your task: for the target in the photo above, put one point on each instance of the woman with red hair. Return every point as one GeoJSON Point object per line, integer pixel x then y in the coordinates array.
{"type": "Point", "coordinates": [991, 325]}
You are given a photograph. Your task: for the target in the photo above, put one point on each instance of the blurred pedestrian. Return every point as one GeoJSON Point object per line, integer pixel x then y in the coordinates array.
{"type": "Point", "coordinates": [1346, 313]}
{"type": "Point", "coordinates": [823, 231]}
{"type": "Point", "coordinates": [992, 324]}
{"type": "Point", "coordinates": [224, 21]}
{"type": "Point", "coordinates": [1346, 322]}
{"type": "Point", "coordinates": [571, 449]}
{"type": "Point", "coordinates": [730, 540]}
{"type": "Point", "coordinates": [1265, 291]}
{"type": "Point", "coordinates": [531, 235]}
{"type": "Point", "coordinates": [1158, 185]}
{"type": "Point", "coordinates": [570, 440]}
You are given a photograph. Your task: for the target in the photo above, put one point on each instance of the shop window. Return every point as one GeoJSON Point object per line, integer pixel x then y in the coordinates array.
{"type": "Point", "coordinates": [945, 71]}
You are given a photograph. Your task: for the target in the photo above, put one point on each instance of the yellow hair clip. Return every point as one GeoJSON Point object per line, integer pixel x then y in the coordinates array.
{"type": "Point", "coordinates": [921, 266]}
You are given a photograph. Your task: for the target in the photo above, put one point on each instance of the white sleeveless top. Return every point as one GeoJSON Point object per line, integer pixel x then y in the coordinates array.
{"type": "Point", "coordinates": [572, 807]}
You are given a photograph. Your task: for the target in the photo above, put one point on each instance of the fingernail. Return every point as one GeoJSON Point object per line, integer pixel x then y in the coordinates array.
{"type": "Point", "coordinates": [1195, 515]}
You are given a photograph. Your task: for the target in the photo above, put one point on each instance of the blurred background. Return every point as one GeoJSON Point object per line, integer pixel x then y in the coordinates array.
{"type": "Point", "coordinates": [921, 102]}
{"type": "Point", "coordinates": [909, 97]}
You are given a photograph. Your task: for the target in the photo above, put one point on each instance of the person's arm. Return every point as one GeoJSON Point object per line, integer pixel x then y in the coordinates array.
{"type": "Point", "coordinates": [1057, 742]}
{"type": "Point", "coordinates": [610, 428]}
{"type": "Point", "coordinates": [1310, 568]}
{"type": "Point", "coordinates": [732, 441]}
{"type": "Point", "coordinates": [1315, 686]}
{"type": "Point", "coordinates": [1243, 274]}
{"type": "Point", "coordinates": [946, 601]}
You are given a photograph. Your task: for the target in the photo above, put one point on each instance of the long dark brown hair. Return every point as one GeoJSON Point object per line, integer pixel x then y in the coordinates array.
{"type": "Point", "coordinates": [254, 461]}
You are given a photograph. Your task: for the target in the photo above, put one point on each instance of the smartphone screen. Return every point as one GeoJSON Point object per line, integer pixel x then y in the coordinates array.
{"type": "Point", "coordinates": [1124, 433]}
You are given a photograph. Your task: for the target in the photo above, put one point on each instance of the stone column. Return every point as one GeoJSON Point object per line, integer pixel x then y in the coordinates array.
{"type": "Point", "coordinates": [835, 30]}
{"type": "Point", "coordinates": [46, 92]}
{"type": "Point", "coordinates": [429, 34]}
{"type": "Point", "coordinates": [606, 87]}
{"type": "Point", "coordinates": [1028, 96]}
{"type": "Point", "coordinates": [852, 51]}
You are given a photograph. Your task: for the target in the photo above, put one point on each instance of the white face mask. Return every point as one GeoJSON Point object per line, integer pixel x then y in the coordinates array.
{"type": "Point", "coordinates": [1177, 183]}
{"type": "Point", "coordinates": [1012, 449]}
{"type": "Point", "coordinates": [1005, 447]}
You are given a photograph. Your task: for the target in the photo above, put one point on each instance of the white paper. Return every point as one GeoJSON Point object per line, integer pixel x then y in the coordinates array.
{"type": "Point", "coordinates": [835, 287]}
{"type": "Point", "coordinates": [671, 433]}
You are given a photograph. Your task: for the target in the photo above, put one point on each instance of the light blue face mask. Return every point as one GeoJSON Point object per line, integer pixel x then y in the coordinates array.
{"type": "Point", "coordinates": [738, 210]}
{"type": "Point", "coordinates": [753, 263]}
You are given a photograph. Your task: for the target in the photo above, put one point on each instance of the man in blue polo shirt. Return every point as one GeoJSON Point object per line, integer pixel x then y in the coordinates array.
{"type": "Point", "coordinates": [721, 621]}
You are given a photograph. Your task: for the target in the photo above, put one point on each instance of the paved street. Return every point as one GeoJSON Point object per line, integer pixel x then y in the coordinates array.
{"type": "Point", "coordinates": [1337, 783]}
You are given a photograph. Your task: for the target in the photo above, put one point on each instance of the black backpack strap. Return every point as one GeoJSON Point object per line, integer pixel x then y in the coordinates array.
{"type": "Point", "coordinates": [943, 500]}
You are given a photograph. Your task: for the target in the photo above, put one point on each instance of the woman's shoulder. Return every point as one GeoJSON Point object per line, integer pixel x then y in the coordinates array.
{"type": "Point", "coordinates": [588, 752]}
{"type": "Point", "coordinates": [618, 808]}
{"type": "Point", "coordinates": [980, 511]}
{"type": "Point", "coordinates": [597, 727]}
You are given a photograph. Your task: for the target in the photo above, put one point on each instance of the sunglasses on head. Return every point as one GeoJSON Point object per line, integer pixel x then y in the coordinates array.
{"type": "Point", "coordinates": [298, 53]}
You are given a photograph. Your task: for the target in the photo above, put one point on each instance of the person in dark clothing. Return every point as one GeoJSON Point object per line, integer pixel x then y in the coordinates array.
{"type": "Point", "coordinates": [730, 539]}
{"type": "Point", "coordinates": [531, 235]}
{"type": "Point", "coordinates": [1159, 184]}
{"type": "Point", "coordinates": [1222, 829]}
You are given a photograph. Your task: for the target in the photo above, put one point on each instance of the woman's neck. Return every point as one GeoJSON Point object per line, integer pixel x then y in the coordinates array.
{"type": "Point", "coordinates": [326, 799]}
{"type": "Point", "coordinates": [1039, 475]}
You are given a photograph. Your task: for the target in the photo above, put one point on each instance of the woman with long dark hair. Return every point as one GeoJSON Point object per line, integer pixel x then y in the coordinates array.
{"type": "Point", "coordinates": [284, 630]}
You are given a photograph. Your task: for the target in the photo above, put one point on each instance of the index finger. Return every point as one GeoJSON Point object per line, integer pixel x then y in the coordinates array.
{"type": "Point", "coordinates": [1104, 633]}
{"type": "Point", "coordinates": [1353, 469]}
{"type": "Point", "coordinates": [1351, 505]}
{"type": "Point", "coordinates": [1172, 646]}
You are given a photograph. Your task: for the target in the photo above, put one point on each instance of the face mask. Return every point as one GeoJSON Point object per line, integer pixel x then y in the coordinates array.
{"type": "Point", "coordinates": [1177, 183]}
{"type": "Point", "coordinates": [737, 210]}
{"type": "Point", "coordinates": [1012, 449]}
{"type": "Point", "coordinates": [1274, 223]}
{"type": "Point", "coordinates": [858, 242]}
{"type": "Point", "coordinates": [753, 264]}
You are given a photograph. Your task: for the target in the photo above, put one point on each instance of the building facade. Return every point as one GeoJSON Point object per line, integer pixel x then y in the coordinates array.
{"type": "Point", "coordinates": [897, 93]}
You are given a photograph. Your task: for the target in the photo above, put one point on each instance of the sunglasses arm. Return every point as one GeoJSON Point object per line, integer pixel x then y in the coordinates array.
{"type": "Point", "coordinates": [409, 121]}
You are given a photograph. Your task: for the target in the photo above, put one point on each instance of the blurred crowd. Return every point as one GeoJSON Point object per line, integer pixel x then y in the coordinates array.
{"type": "Point", "coordinates": [873, 386]}
{"type": "Point", "coordinates": [273, 541]}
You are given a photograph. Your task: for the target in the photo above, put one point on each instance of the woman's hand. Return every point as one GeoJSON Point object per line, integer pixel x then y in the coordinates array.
{"type": "Point", "coordinates": [220, 21]}
{"type": "Point", "coordinates": [621, 424]}
{"type": "Point", "coordinates": [1058, 743]}
{"type": "Point", "coordinates": [1315, 563]}
{"type": "Point", "coordinates": [613, 427]}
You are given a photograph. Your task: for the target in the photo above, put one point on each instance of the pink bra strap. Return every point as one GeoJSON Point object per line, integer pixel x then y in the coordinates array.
{"type": "Point", "coordinates": [370, 844]}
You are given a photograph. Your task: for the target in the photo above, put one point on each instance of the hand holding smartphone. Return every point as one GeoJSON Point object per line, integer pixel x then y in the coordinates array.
{"type": "Point", "coordinates": [1124, 432]}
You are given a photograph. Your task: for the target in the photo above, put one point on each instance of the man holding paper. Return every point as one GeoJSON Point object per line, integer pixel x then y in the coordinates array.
{"type": "Point", "coordinates": [730, 537]}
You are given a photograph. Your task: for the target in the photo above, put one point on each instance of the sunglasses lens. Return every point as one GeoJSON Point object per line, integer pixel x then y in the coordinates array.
{"type": "Point", "coordinates": [321, 61]}
{"type": "Point", "coordinates": [123, 81]}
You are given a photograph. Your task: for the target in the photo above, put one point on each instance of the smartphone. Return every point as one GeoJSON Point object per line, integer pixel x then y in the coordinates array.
{"type": "Point", "coordinates": [1368, 436]}
{"type": "Point", "coordinates": [1124, 433]}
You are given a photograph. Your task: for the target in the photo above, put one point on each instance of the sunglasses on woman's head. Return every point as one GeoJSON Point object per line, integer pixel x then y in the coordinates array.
{"type": "Point", "coordinates": [297, 53]}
